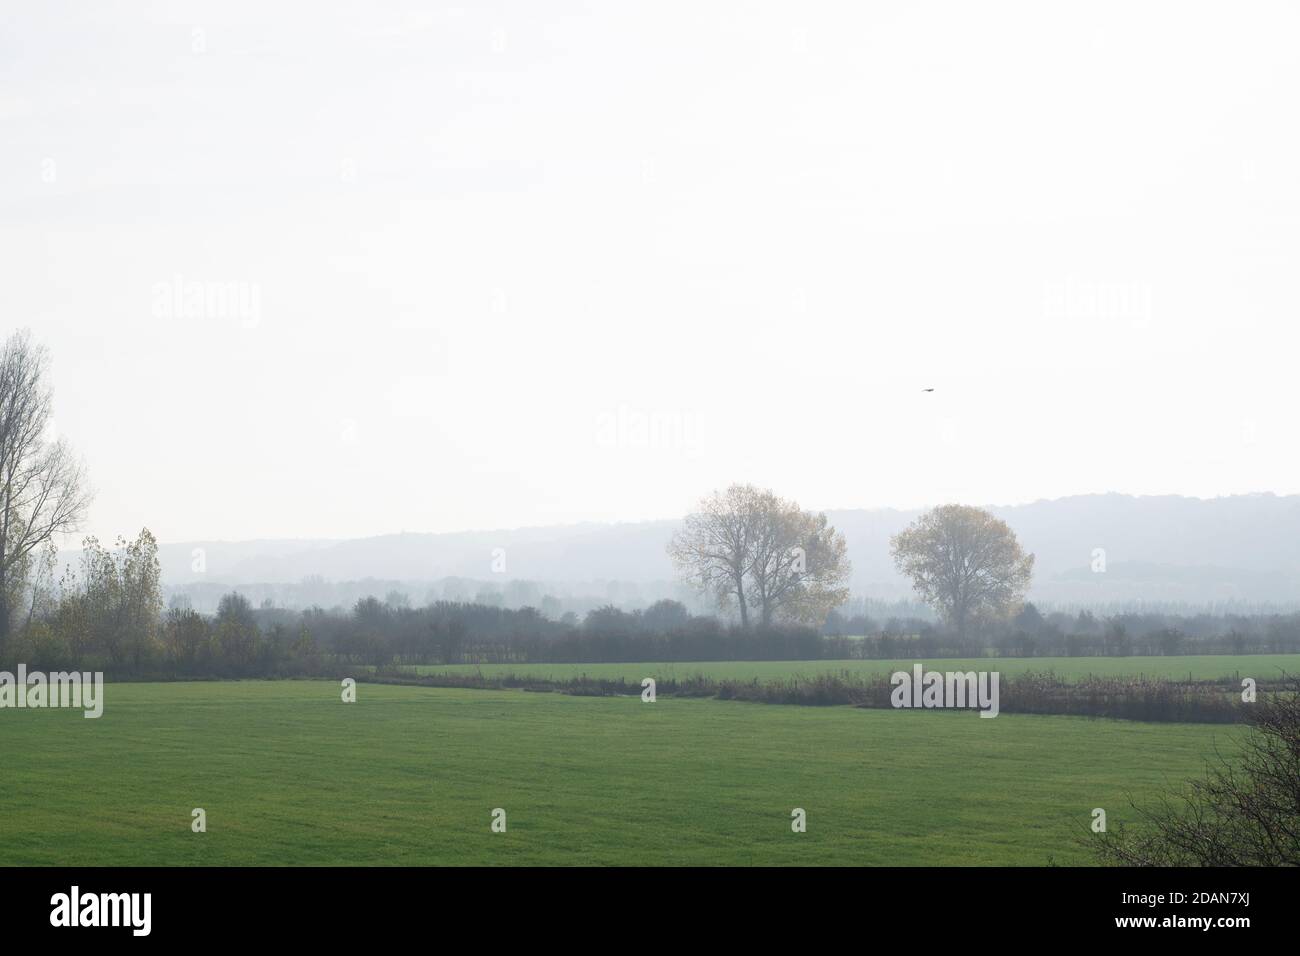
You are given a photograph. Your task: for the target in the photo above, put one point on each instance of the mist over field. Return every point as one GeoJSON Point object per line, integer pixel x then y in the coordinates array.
{"type": "Point", "coordinates": [1160, 550]}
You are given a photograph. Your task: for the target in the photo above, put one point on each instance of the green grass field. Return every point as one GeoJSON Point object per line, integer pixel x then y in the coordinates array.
{"type": "Point", "coordinates": [1204, 667]}
{"type": "Point", "coordinates": [288, 774]}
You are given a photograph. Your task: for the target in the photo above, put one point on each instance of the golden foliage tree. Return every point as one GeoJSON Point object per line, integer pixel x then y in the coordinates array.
{"type": "Point", "coordinates": [965, 563]}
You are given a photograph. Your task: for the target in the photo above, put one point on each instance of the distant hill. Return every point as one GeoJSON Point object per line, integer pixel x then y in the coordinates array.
{"type": "Point", "coordinates": [1157, 549]}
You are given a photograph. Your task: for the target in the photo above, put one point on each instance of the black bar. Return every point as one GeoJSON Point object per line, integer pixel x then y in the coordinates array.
{"type": "Point", "coordinates": [491, 905]}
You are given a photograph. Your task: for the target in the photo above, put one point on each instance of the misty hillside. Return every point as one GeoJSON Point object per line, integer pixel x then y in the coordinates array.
{"type": "Point", "coordinates": [1169, 548]}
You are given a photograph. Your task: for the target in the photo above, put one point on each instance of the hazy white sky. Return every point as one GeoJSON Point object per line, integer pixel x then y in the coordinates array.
{"type": "Point", "coordinates": [488, 265]}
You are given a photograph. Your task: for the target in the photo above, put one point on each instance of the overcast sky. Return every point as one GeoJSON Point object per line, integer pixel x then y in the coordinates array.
{"type": "Point", "coordinates": [345, 269]}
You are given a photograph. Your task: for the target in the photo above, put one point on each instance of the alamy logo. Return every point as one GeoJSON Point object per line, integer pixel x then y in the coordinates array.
{"type": "Point", "coordinates": [953, 689]}
{"type": "Point", "coordinates": [102, 909]}
{"type": "Point", "coordinates": [60, 689]}
{"type": "Point", "coordinates": [182, 299]}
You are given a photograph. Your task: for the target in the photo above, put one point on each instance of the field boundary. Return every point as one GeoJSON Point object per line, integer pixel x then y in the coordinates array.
{"type": "Point", "coordinates": [1216, 701]}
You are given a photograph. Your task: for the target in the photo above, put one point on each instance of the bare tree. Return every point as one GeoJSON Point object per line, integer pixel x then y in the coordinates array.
{"type": "Point", "coordinates": [762, 553]}
{"type": "Point", "coordinates": [42, 485]}
{"type": "Point", "coordinates": [965, 563]}
{"type": "Point", "coordinates": [714, 548]}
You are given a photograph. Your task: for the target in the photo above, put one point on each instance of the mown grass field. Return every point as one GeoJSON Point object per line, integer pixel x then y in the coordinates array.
{"type": "Point", "coordinates": [288, 774]}
{"type": "Point", "coordinates": [1202, 667]}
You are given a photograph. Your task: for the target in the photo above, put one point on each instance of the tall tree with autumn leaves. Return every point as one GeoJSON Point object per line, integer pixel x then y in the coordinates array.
{"type": "Point", "coordinates": [965, 563]}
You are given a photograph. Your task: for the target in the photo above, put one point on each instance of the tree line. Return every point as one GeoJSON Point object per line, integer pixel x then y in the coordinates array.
{"type": "Point", "coordinates": [109, 617]}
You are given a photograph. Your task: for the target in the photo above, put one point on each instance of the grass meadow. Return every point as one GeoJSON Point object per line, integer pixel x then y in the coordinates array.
{"type": "Point", "coordinates": [288, 774]}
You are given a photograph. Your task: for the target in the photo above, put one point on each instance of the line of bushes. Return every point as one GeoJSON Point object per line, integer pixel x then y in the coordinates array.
{"type": "Point", "coordinates": [1125, 698]}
